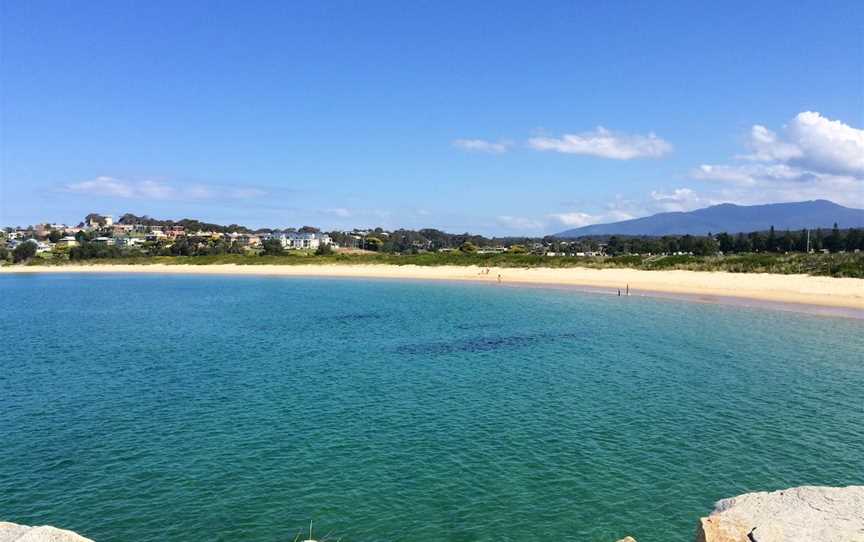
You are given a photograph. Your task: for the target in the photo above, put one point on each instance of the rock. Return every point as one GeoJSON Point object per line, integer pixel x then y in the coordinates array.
{"type": "Point", "coordinates": [11, 532]}
{"type": "Point", "coordinates": [800, 514]}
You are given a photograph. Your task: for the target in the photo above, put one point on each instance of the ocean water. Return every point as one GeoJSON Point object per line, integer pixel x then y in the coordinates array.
{"type": "Point", "coordinates": [186, 408]}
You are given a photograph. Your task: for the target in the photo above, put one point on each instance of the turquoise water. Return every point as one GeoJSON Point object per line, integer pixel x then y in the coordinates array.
{"type": "Point", "coordinates": [215, 408]}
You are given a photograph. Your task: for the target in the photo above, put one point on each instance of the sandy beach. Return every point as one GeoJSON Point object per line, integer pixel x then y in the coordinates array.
{"type": "Point", "coordinates": [801, 290]}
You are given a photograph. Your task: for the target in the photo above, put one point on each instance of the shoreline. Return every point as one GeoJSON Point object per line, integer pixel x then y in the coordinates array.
{"type": "Point", "coordinates": [838, 296]}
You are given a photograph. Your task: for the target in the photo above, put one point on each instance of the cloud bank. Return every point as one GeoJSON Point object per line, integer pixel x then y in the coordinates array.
{"type": "Point", "coordinates": [812, 157]}
{"type": "Point", "coordinates": [604, 143]}
{"type": "Point", "coordinates": [105, 186]}
{"type": "Point", "coordinates": [481, 145]}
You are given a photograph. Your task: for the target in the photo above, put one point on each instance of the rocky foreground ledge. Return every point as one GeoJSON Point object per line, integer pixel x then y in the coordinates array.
{"type": "Point", "coordinates": [12, 532]}
{"type": "Point", "coordinates": [799, 514]}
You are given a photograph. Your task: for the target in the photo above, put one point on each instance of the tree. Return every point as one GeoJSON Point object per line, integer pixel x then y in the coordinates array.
{"type": "Point", "coordinates": [272, 247]}
{"type": "Point", "coordinates": [54, 236]}
{"type": "Point", "coordinates": [516, 249]}
{"type": "Point", "coordinates": [854, 240]}
{"type": "Point", "coordinates": [787, 243]}
{"type": "Point", "coordinates": [324, 249]}
{"type": "Point", "coordinates": [834, 241]}
{"type": "Point", "coordinates": [726, 243]}
{"type": "Point", "coordinates": [24, 251]}
{"type": "Point", "coordinates": [818, 240]}
{"type": "Point", "coordinates": [373, 243]}
{"type": "Point", "coordinates": [801, 246]}
{"type": "Point", "coordinates": [771, 242]}
{"type": "Point", "coordinates": [4, 254]}
{"type": "Point", "coordinates": [467, 247]}
{"type": "Point", "coordinates": [96, 218]}
{"type": "Point", "coordinates": [757, 241]}
{"type": "Point", "coordinates": [181, 248]}
{"type": "Point", "coordinates": [705, 246]}
{"type": "Point", "coordinates": [687, 244]}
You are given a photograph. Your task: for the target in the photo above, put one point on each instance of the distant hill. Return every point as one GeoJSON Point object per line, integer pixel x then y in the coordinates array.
{"type": "Point", "coordinates": [731, 219]}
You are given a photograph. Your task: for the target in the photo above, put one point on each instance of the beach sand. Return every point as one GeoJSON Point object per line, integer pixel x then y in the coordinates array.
{"type": "Point", "coordinates": [788, 290]}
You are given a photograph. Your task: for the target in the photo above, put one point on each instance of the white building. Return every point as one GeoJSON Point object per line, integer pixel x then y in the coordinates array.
{"type": "Point", "coordinates": [302, 241]}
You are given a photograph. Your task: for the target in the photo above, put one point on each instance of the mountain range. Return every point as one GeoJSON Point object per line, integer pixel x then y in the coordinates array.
{"type": "Point", "coordinates": [731, 218]}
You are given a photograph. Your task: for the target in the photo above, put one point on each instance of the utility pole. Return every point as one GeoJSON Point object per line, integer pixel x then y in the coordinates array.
{"type": "Point", "coordinates": [808, 241]}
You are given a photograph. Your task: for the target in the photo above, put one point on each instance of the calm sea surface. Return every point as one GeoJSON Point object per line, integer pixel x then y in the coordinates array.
{"type": "Point", "coordinates": [188, 408]}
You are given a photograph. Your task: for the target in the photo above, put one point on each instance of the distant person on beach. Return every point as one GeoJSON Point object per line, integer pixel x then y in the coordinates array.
{"type": "Point", "coordinates": [499, 278]}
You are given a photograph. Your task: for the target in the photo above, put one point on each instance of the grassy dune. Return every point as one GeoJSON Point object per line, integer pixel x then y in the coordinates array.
{"type": "Point", "coordinates": [834, 265]}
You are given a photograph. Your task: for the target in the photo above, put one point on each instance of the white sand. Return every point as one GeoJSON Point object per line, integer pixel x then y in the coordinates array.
{"type": "Point", "coordinates": [796, 289]}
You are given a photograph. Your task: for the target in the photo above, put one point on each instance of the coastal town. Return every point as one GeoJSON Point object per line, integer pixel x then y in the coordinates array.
{"type": "Point", "coordinates": [103, 230]}
{"type": "Point", "coordinates": [100, 236]}
{"type": "Point", "coordinates": [145, 236]}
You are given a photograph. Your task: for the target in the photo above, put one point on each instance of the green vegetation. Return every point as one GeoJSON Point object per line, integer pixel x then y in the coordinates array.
{"type": "Point", "coordinates": [835, 252]}
{"type": "Point", "coordinates": [23, 252]}
{"type": "Point", "coordinates": [272, 247]}
{"type": "Point", "coordinates": [324, 250]}
{"type": "Point", "coordinates": [835, 265]}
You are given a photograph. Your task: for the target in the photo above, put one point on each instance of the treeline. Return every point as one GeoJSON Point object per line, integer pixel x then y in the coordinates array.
{"type": "Point", "coordinates": [89, 250]}
{"type": "Point", "coordinates": [407, 241]}
{"type": "Point", "coordinates": [834, 240]}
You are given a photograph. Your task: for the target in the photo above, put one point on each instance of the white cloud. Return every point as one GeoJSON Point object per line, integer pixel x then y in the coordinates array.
{"type": "Point", "coordinates": [751, 174]}
{"type": "Point", "coordinates": [615, 211]}
{"type": "Point", "coordinates": [605, 144]}
{"type": "Point", "coordinates": [767, 146]}
{"type": "Point", "coordinates": [680, 199]}
{"type": "Point", "coordinates": [813, 142]}
{"type": "Point", "coordinates": [481, 145]}
{"type": "Point", "coordinates": [574, 219]}
{"type": "Point", "coordinates": [828, 145]}
{"type": "Point", "coordinates": [105, 186]}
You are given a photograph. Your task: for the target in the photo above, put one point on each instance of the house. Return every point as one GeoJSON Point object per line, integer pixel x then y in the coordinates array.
{"type": "Point", "coordinates": [175, 231]}
{"type": "Point", "coordinates": [243, 239]}
{"type": "Point", "coordinates": [128, 241]}
{"type": "Point", "coordinates": [155, 235]}
{"type": "Point", "coordinates": [121, 229]}
{"type": "Point", "coordinates": [68, 241]}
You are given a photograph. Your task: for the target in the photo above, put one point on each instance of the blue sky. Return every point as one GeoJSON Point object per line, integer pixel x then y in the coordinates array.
{"type": "Point", "coordinates": [497, 118]}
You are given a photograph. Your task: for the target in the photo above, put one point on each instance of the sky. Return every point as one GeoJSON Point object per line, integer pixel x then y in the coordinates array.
{"type": "Point", "coordinates": [499, 118]}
